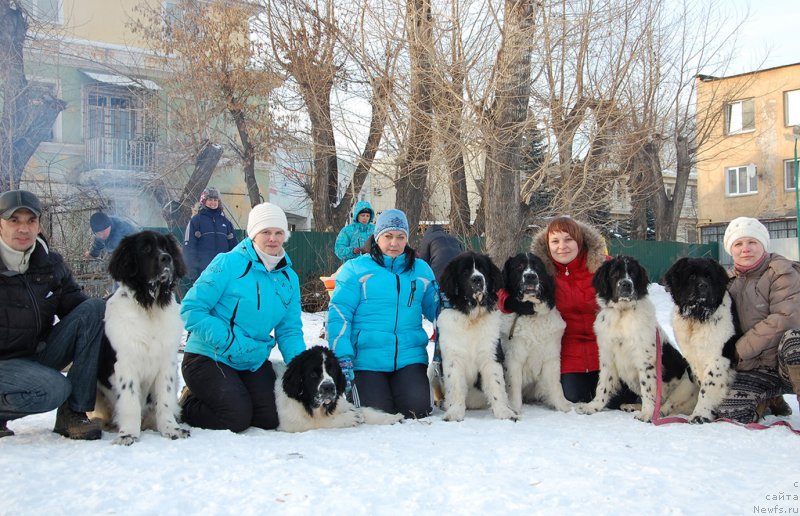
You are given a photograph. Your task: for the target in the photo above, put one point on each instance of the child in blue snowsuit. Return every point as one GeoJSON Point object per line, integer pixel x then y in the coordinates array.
{"type": "Point", "coordinates": [351, 239]}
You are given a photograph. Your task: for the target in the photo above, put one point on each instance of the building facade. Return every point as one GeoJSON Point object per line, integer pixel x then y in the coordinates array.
{"type": "Point", "coordinates": [746, 164]}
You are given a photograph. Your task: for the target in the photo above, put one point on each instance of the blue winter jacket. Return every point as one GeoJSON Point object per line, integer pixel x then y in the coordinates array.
{"type": "Point", "coordinates": [236, 303]}
{"type": "Point", "coordinates": [120, 228]}
{"type": "Point", "coordinates": [207, 234]}
{"type": "Point", "coordinates": [375, 313]}
{"type": "Point", "coordinates": [355, 234]}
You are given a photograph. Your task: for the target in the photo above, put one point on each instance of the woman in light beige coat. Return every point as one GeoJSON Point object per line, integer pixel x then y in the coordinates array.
{"type": "Point", "coordinates": [766, 290]}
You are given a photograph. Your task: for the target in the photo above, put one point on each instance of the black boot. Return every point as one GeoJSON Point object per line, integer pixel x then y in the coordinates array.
{"type": "Point", "coordinates": [76, 425]}
{"type": "Point", "coordinates": [4, 430]}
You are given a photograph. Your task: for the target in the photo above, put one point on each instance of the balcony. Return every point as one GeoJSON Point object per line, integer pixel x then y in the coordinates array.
{"type": "Point", "coordinates": [120, 154]}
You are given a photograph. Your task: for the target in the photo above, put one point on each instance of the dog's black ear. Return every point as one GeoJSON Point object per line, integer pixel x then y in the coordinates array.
{"type": "Point", "coordinates": [671, 277]}
{"type": "Point", "coordinates": [335, 370]}
{"type": "Point", "coordinates": [601, 281]}
{"type": "Point", "coordinates": [495, 276]}
{"type": "Point", "coordinates": [507, 271]}
{"type": "Point", "coordinates": [174, 249]}
{"type": "Point", "coordinates": [720, 274]}
{"type": "Point", "coordinates": [547, 285]}
{"type": "Point", "coordinates": [123, 260]}
{"type": "Point", "coordinates": [449, 280]}
{"type": "Point", "coordinates": [293, 377]}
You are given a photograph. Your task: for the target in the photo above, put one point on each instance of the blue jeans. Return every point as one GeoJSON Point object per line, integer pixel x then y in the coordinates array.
{"type": "Point", "coordinates": [34, 384]}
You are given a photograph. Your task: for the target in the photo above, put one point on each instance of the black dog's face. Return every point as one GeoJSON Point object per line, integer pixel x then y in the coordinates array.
{"type": "Point", "coordinates": [621, 279]}
{"type": "Point", "coordinates": [150, 264]}
{"type": "Point", "coordinates": [697, 286]}
{"type": "Point", "coordinates": [315, 379]}
{"type": "Point", "coordinates": [471, 279]}
{"type": "Point", "coordinates": [526, 279]}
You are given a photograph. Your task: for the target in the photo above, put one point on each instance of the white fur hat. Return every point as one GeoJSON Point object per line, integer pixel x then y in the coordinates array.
{"type": "Point", "coordinates": [745, 227]}
{"type": "Point", "coordinates": [266, 215]}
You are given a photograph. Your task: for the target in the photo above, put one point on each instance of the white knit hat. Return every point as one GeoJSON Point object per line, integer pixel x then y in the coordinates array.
{"type": "Point", "coordinates": [266, 215]}
{"type": "Point", "coordinates": [745, 227]}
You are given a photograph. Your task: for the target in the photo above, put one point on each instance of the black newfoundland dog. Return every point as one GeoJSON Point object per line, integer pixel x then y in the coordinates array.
{"type": "Point", "coordinates": [309, 394]}
{"type": "Point", "coordinates": [469, 339]}
{"type": "Point", "coordinates": [706, 327]}
{"type": "Point", "coordinates": [137, 376]}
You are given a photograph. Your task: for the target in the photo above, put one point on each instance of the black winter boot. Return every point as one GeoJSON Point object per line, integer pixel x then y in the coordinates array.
{"type": "Point", "coordinates": [76, 425]}
{"type": "Point", "coordinates": [4, 430]}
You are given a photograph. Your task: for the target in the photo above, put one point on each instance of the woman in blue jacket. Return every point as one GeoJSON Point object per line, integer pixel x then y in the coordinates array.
{"type": "Point", "coordinates": [230, 313]}
{"type": "Point", "coordinates": [207, 234]}
{"type": "Point", "coordinates": [351, 239]}
{"type": "Point", "coordinates": [375, 321]}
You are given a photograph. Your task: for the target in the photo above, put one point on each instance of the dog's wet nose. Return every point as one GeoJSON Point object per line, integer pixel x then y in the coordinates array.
{"type": "Point", "coordinates": [530, 277]}
{"type": "Point", "coordinates": [477, 282]}
{"type": "Point", "coordinates": [165, 259]}
{"type": "Point", "coordinates": [625, 287]}
{"type": "Point", "coordinates": [327, 389]}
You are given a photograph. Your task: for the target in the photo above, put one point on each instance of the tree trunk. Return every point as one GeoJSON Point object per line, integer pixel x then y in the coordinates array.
{"type": "Point", "coordinates": [382, 89]}
{"type": "Point", "coordinates": [509, 113]}
{"type": "Point", "coordinates": [27, 115]}
{"type": "Point", "coordinates": [178, 213]}
{"type": "Point", "coordinates": [413, 173]}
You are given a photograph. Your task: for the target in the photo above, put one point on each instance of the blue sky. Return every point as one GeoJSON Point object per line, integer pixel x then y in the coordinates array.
{"type": "Point", "coordinates": [769, 37]}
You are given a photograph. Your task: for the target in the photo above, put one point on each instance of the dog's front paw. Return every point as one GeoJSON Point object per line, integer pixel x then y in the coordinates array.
{"type": "Point", "coordinates": [454, 414]}
{"type": "Point", "coordinates": [503, 412]}
{"type": "Point", "coordinates": [176, 433]}
{"type": "Point", "coordinates": [644, 416]}
{"type": "Point", "coordinates": [699, 419]}
{"type": "Point", "coordinates": [563, 406]}
{"type": "Point", "coordinates": [630, 407]}
{"type": "Point", "coordinates": [125, 439]}
{"type": "Point", "coordinates": [587, 408]}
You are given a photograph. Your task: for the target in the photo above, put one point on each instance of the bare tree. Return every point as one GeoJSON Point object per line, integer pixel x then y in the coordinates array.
{"type": "Point", "coordinates": [28, 113]}
{"type": "Point", "coordinates": [505, 119]}
{"type": "Point", "coordinates": [213, 80]}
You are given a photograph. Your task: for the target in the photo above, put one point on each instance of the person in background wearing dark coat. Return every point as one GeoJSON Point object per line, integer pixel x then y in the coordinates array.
{"type": "Point", "coordinates": [207, 234]}
{"type": "Point", "coordinates": [108, 233]}
{"type": "Point", "coordinates": [438, 247]}
{"type": "Point", "coordinates": [35, 288]}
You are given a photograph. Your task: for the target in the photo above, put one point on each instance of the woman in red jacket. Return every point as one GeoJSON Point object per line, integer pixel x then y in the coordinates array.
{"type": "Point", "coordinates": [572, 252]}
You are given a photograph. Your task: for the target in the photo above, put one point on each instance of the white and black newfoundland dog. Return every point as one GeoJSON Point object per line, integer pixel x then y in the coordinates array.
{"type": "Point", "coordinates": [626, 329]}
{"type": "Point", "coordinates": [309, 394]}
{"type": "Point", "coordinates": [531, 334]}
{"type": "Point", "coordinates": [469, 339]}
{"type": "Point", "coordinates": [706, 327]}
{"type": "Point", "coordinates": [137, 374]}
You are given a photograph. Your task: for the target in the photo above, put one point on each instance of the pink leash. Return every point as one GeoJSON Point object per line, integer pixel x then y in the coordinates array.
{"type": "Point", "coordinates": [658, 420]}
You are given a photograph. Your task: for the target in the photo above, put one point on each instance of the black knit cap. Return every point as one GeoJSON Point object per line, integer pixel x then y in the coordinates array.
{"type": "Point", "coordinates": [99, 221]}
{"type": "Point", "coordinates": [13, 200]}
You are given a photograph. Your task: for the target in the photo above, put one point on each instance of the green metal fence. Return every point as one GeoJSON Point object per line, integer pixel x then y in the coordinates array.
{"type": "Point", "coordinates": [312, 252]}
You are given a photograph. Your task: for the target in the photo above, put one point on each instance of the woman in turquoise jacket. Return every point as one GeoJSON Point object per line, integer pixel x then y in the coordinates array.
{"type": "Point", "coordinates": [230, 313]}
{"type": "Point", "coordinates": [375, 321]}
{"type": "Point", "coordinates": [351, 239]}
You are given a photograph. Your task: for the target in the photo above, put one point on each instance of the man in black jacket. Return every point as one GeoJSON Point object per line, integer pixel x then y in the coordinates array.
{"type": "Point", "coordinates": [437, 248]}
{"type": "Point", "coordinates": [35, 287]}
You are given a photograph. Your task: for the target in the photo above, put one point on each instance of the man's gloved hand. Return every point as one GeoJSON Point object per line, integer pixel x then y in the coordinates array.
{"type": "Point", "coordinates": [349, 375]}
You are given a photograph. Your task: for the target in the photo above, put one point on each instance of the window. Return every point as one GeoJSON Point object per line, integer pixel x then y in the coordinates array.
{"type": "Point", "coordinates": [740, 117]}
{"type": "Point", "coordinates": [44, 10]}
{"type": "Point", "coordinates": [119, 127]}
{"type": "Point", "coordinates": [710, 234]}
{"type": "Point", "coordinates": [791, 107]}
{"type": "Point", "coordinates": [741, 180]}
{"type": "Point", "coordinates": [788, 174]}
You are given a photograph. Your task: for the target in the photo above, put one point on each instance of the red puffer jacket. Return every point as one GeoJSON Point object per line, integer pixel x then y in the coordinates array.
{"type": "Point", "coordinates": [575, 299]}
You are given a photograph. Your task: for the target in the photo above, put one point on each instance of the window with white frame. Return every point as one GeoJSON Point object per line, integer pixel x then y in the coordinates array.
{"type": "Point", "coordinates": [45, 10]}
{"type": "Point", "coordinates": [788, 174]}
{"type": "Point", "coordinates": [741, 180]}
{"type": "Point", "coordinates": [740, 116]}
{"type": "Point", "coordinates": [791, 107]}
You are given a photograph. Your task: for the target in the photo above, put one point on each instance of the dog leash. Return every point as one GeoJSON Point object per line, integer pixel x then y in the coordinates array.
{"type": "Point", "coordinates": [658, 420]}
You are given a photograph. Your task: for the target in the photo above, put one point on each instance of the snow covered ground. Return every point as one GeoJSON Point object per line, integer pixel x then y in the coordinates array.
{"type": "Point", "coordinates": [547, 463]}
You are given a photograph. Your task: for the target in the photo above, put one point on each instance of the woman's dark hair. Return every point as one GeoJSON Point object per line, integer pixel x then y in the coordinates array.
{"type": "Point", "coordinates": [377, 255]}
